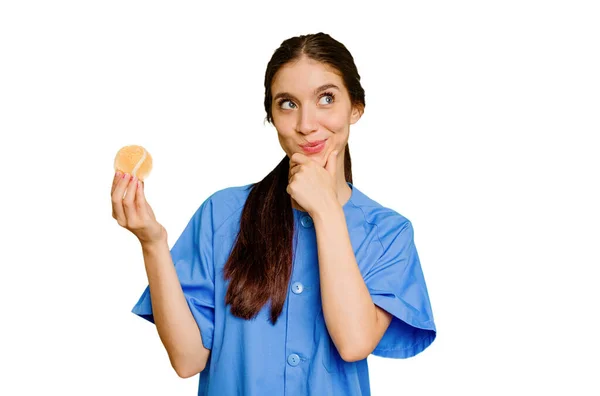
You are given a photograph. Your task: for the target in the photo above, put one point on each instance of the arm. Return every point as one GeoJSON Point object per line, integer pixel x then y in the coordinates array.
{"type": "Point", "coordinates": [354, 322]}
{"type": "Point", "coordinates": [175, 324]}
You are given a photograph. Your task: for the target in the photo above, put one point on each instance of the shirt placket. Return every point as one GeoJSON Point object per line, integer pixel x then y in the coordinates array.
{"type": "Point", "coordinates": [303, 299]}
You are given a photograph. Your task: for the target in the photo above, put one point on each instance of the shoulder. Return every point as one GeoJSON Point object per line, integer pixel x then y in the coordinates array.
{"type": "Point", "coordinates": [225, 205]}
{"type": "Point", "coordinates": [367, 212]}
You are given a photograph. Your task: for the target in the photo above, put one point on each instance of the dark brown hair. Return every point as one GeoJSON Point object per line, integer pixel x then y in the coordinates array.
{"type": "Point", "coordinates": [260, 264]}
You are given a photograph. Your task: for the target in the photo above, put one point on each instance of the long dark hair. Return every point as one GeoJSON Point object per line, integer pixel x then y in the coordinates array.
{"type": "Point", "coordinates": [260, 264]}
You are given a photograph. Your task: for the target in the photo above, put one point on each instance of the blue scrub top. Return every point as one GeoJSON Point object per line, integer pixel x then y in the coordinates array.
{"type": "Point", "coordinates": [296, 356]}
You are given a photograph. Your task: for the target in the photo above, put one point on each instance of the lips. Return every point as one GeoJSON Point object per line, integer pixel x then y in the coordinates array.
{"type": "Point", "coordinates": [314, 147]}
{"type": "Point", "coordinates": [313, 144]}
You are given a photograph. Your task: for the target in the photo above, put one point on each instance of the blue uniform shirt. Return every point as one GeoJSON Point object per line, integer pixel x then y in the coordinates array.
{"type": "Point", "coordinates": [296, 356]}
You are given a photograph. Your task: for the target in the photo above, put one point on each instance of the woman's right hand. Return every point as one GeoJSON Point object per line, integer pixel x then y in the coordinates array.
{"type": "Point", "coordinates": [133, 211]}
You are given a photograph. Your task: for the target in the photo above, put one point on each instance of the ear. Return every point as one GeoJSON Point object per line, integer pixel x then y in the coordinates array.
{"type": "Point", "coordinates": [357, 112]}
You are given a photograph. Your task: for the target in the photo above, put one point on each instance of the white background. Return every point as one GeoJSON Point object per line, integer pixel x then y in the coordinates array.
{"type": "Point", "coordinates": [479, 128]}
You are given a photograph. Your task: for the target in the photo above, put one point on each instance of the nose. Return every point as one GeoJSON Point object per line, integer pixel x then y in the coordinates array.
{"type": "Point", "coordinates": [307, 121]}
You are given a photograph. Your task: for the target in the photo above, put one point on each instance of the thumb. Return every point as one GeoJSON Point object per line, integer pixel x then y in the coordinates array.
{"type": "Point", "coordinates": [331, 164]}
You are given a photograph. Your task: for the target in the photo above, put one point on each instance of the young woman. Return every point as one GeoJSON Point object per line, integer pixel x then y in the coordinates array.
{"type": "Point", "coordinates": [285, 286]}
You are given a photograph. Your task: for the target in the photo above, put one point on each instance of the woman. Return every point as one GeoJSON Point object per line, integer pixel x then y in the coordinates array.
{"type": "Point", "coordinates": [284, 287]}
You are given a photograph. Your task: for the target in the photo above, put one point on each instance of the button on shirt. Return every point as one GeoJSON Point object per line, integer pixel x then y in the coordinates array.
{"type": "Point", "coordinates": [296, 356]}
{"type": "Point", "coordinates": [297, 287]}
{"type": "Point", "coordinates": [306, 221]}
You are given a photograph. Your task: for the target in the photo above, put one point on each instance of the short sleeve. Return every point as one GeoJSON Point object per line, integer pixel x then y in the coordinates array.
{"type": "Point", "coordinates": [192, 257]}
{"type": "Point", "coordinates": [397, 285]}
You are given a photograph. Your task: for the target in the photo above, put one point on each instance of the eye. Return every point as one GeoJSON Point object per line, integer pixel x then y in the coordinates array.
{"type": "Point", "coordinates": [327, 98]}
{"type": "Point", "coordinates": [283, 101]}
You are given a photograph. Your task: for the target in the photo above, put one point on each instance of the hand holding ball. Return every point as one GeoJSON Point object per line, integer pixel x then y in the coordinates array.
{"type": "Point", "coordinates": [129, 205]}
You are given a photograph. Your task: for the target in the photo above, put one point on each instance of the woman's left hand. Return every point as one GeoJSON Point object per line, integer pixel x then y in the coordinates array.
{"type": "Point", "coordinates": [312, 186]}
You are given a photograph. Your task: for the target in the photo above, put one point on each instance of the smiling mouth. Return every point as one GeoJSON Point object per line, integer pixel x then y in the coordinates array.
{"type": "Point", "coordinates": [313, 144]}
{"type": "Point", "coordinates": [314, 148]}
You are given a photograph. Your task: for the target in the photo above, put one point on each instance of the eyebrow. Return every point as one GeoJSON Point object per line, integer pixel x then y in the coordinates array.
{"type": "Point", "coordinates": [319, 89]}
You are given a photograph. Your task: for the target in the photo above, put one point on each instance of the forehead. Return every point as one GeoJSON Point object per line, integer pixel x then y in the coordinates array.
{"type": "Point", "coordinates": [301, 77]}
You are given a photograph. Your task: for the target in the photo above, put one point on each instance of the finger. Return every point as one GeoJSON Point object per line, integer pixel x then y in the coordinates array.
{"type": "Point", "coordinates": [142, 202]}
{"type": "Point", "coordinates": [117, 199]}
{"type": "Point", "coordinates": [147, 206]}
{"type": "Point", "coordinates": [294, 165]}
{"type": "Point", "coordinates": [328, 156]}
{"type": "Point", "coordinates": [298, 158]}
{"type": "Point", "coordinates": [292, 168]}
{"type": "Point", "coordinates": [295, 169]}
{"type": "Point", "coordinates": [129, 200]}
{"type": "Point", "coordinates": [118, 176]}
{"type": "Point", "coordinates": [140, 199]}
{"type": "Point", "coordinates": [330, 166]}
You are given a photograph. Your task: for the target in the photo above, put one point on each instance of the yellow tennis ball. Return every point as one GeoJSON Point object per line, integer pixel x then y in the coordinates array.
{"type": "Point", "coordinates": [134, 160]}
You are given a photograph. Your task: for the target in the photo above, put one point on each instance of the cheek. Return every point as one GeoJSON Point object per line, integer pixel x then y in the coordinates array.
{"type": "Point", "coordinates": [284, 126]}
{"type": "Point", "coordinates": [335, 122]}
{"type": "Point", "coordinates": [285, 133]}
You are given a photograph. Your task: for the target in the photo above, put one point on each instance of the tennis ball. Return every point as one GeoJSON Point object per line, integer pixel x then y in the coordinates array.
{"type": "Point", "coordinates": [134, 160]}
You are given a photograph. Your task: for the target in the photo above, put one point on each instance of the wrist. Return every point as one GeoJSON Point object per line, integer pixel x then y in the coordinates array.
{"type": "Point", "coordinates": [329, 210]}
{"type": "Point", "coordinates": [154, 245]}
